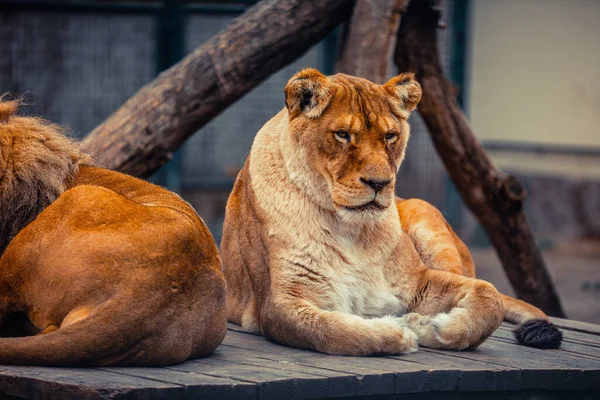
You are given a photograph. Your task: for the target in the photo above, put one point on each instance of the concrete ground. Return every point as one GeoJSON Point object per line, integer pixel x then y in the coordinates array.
{"type": "Point", "coordinates": [574, 267]}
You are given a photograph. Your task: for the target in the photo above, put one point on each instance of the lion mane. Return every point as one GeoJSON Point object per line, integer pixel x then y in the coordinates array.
{"type": "Point", "coordinates": [36, 164]}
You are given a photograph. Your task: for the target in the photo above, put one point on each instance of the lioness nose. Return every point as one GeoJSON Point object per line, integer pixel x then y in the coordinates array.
{"type": "Point", "coordinates": [377, 185]}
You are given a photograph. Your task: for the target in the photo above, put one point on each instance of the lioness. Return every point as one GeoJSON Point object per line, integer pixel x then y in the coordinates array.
{"type": "Point", "coordinates": [109, 269]}
{"type": "Point", "coordinates": [319, 254]}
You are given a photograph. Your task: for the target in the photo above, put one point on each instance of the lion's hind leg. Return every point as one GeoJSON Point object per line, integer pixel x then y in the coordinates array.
{"type": "Point", "coordinates": [435, 241]}
{"type": "Point", "coordinates": [453, 312]}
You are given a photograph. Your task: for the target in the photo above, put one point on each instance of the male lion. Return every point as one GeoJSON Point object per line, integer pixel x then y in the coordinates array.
{"type": "Point", "coordinates": [109, 269]}
{"type": "Point", "coordinates": [319, 254]}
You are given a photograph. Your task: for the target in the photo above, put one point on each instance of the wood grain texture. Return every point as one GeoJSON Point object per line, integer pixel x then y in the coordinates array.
{"type": "Point", "coordinates": [496, 199]}
{"type": "Point", "coordinates": [369, 39]}
{"type": "Point", "coordinates": [247, 366]}
{"type": "Point", "coordinates": [65, 383]}
{"type": "Point", "coordinates": [143, 134]}
{"type": "Point", "coordinates": [578, 326]}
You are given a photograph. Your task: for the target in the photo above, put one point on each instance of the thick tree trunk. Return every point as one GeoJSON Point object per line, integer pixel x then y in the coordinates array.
{"type": "Point", "coordinates": [495, 198]}
{"type": "Point", "coordinates": [370, 38]}
{"type": "Point", "coordinates": [142, 135]}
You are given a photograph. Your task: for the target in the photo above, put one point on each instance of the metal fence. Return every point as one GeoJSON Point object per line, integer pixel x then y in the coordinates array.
{"type": "Point", "coordinates": [78, 61]}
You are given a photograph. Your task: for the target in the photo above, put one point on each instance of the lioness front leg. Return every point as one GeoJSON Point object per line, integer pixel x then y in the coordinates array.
{"type": "Point", "coordinates": [453, 312]}
{"type": "Point", "coordinates": [298, 323]}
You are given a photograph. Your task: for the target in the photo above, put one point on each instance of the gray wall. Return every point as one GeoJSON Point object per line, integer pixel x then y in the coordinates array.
{"type": "Point", "coordinates": [75, 69]}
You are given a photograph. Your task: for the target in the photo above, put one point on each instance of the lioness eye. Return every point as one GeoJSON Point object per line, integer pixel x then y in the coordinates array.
{"type": "Point", "coordinates": [342, 136]}
{"type": "Point", "coordinates": [391, 137]}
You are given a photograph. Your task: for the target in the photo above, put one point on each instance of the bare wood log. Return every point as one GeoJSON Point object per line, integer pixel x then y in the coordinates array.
{"type": "Point", "coordinates": [142, 135]}
{"type": "Point", "coordinates": [496, 199]}
{"type": "Point", "coordinates": [370, 39]}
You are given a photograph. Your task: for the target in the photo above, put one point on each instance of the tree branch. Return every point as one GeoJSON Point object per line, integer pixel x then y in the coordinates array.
{"type": "Point", "coordinates": [370, 39]}
{"type": "Point", "coordinates": [495, 198]}
{"type": "Point", "coordinates": [142, 135]}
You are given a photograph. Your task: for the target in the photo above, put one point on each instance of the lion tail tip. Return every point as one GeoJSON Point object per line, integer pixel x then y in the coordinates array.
{"type": "Point", "coordinates": [539, 333]}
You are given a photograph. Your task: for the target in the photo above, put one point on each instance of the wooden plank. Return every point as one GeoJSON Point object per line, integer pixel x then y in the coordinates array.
{"type": "Point", "coordinates": [272, 383]}
{"type": "Point", "coordinates": [573, 349]}
{"type": "Point", "coordinates": [81, 384]}
{"type": "Point", "coordinates": [573, 337]}
{"type": "Point", "coordinates": [540, 369]}
{"type": "Point", "coordinates": [340, 383]}
{"type": "Point", "coordinates": [569, 344]}
{"type": "Point", "coordinates": [577, 326]}
{"type": "Point", "coordinates": [248, 366]}
{"type": "Point", "coordinates": [355, 365]}
{"type": "Point", "coordinates": [584, 337]}
{"type": "Point", "coordinates": [413, 373]}
{"type": "Point", "coordinates": [445, 372]}
{"type": "Point", "coordinates": [558, 358]}
{"type": "Point", "coordinates": [578, 337]}
{"type": "Point", "coordinates": [569, 336]}
{"type": "Point", "coordinates": [510, 395]}
{"type": "Point", "coordinates": [431, 372]}
{"type": "Point", "coordinates": [195, 385]}
{"type": "Point", "coordinates": [369, 378]}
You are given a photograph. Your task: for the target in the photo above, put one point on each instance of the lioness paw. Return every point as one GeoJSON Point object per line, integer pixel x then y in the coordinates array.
{"type": "Point", "coordinates": [414, 320]}
{"type": "Point", "coordinates": [439, 331]}
{"type": "Point", "coordinates": [393, 336]}
{"type": "Point", "coordinates": [410, 338]}
{"type": "Point", "coordinates": [426, 328]}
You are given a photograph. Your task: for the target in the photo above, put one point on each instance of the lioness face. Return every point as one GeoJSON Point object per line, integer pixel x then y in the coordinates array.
{"type": "Point", "coordinates": [353, 134]}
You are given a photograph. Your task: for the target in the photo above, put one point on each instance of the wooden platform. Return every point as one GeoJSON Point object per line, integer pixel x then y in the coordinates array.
{"type": "Point", "coordinates": [247, 366]}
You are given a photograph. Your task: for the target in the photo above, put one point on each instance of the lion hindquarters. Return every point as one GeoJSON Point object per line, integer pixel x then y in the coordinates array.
{"type": "Point", "coordinates": [129, 329]}
{"type": "Point", "coordinates": [437, 244]}
{"type": "Point", "coordinates": [151, 292]}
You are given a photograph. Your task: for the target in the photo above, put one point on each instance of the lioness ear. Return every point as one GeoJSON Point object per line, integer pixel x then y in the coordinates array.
{"type": "Point", "coordinates": [406, 89]}
{"type": "Point", "coordinates": [307, 92]}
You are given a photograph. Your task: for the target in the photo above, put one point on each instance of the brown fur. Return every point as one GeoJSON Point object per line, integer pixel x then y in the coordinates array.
{"type": "Point", "coordinates": [108, 269]}
{"type": "Point", "coordinates": [317, 251]}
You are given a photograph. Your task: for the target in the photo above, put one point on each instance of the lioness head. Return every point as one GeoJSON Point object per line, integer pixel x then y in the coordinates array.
{"type": "Point", "coordinates": [353, 134]}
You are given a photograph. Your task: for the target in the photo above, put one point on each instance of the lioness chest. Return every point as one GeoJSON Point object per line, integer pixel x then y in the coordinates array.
{"type": "Point", "coordinates": [340, 276]}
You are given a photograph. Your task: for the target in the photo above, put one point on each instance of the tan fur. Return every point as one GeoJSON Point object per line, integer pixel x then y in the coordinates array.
{"type": "Point", "coordinates": [440, 248]}
{"type": "Point", "coordinates": [109, 269]}
{"type": "Point", "coordinates": [314, 250]}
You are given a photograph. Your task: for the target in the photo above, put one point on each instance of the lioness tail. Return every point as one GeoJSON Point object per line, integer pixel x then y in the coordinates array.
{"type": "Point", "coordinates": [534, 329]}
